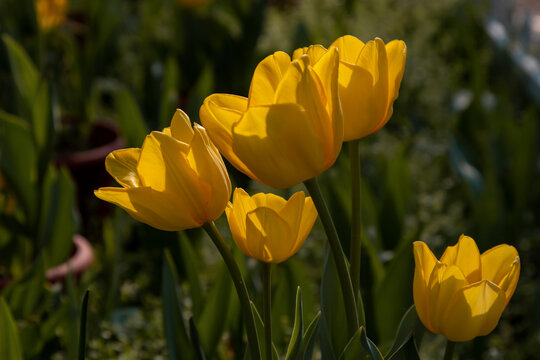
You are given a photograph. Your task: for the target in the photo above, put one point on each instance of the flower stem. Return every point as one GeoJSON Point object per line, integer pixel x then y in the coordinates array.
{"type": "Point", "coordinates": [449, 352]}
{"type": "Point", "coordinates": [240, 286]}
{"type": "Point", "coordinates": [267, 308]}
{"type": "Point", "coordinates": [337, 253]}
{"type": "Point", "coordinates": [356, 227]}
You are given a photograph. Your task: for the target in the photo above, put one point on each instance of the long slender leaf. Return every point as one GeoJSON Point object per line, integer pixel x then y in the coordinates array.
{"type": "Point", "coordinates": [82, 328]}
{"type": "Point", "coordinates": [130, 118]}
{"type": "Point", "coordinates": [10, 345]}
{"type": "Point", "coordinates": [295, 344]}
{"type": "Point", "coordinates": [192, 272]}
{"type": "Point", "coordinates": [310, 337]}
{"type": "Point", "coordinates": [195, 340]}
{"type": "Point", "coordinates": [178, 343]}
{"type": "Point", "coordinates": [404, 332]}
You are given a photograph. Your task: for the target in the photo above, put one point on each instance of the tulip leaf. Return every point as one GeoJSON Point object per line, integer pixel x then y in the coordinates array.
{"type": "Point", "coordinates": [188, 261]}
{"type": "Point", "coordinates": [295, 344]}
{"type": "Point", "coordinates": [333, 332]}
{"type": "Point", "coordinates": [259, 325]}
{"type": "Point", "coordinates": [19, 167]}
{"type": "Point", "coordinates": [361, 347]}
{"type": "Point", "coordinates": [130, 118]}
{"type": "Point", "coordinates": [82, 326]}
{"type": "Point", "coordinates": [393, 296]}
{"type": "Point", "coordinates": [169, 96]}
{"type": "Point", "coordinates": [404, 332]}
{"type": "Point", "coordinates": [57, 223]}
{"type": "Point", "coordinates": [213, 319]}
{"type": "Point", "coordinates": [309, 337]}
{"type": "Point", "coordinates": [24, 71]}
{"type": "Point", "coordinates": [10, 345]}
{"type": "Point", "coordinates": [178, 343]}
{"type": "Point", "coordinates": [195, 340]}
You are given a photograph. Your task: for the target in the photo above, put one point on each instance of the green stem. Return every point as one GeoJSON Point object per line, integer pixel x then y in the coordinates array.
{"type": "Point", "coordinates": [240, 286]}
{"type": "Point", "coordinates": [356, 227]}
{"type": "Point", "coordinates": [337, 253]}
{"type": "Point", "coordinates": [267, 308]}
{"type": "Point", "coordinates": [449, 352]}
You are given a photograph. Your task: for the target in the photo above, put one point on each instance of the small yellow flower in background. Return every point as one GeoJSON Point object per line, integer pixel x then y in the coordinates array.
{"type": "Point", "coordinates": [290, 127]}
{"type": "Point", "coordinates": [369, 78]}
{"type": "Point", "coordinates": [51, 13]}
{"type": "Point", "coordinates": [269, 228]}
{"type": "Point", "coordinates": [176, 181]}
{"type": "Point", "coordinates": [463, 295]}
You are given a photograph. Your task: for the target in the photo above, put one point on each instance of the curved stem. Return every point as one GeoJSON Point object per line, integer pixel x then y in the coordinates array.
{"type": "Point", "coordinates": [337, 253]}
{"type": "Point", "coordinates": [356, 227]}
{"type": "Point", "coordinates": [267, 308]}
{"type": "Point", "coordinates": [449, 352]}
{"type": "Point", "coordinates": [240, 286]}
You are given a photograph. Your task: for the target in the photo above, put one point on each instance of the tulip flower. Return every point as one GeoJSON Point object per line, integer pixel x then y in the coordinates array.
{"type": "Point", "coordinates": [369, 78]}
{"type": "Point", "coordinates": [269, 228]}
{"type": "Point", "coordinates": [289, 129]}
{"type": "Point", "coordinates": [463, 294]}
{"type": "Point", "coordinates": [176, 181]}
{"type": "Point", "coordinates": [51, 13]}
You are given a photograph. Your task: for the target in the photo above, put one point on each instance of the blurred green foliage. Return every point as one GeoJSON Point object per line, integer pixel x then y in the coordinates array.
{"type": "Point", "coordinates": [460, 155]}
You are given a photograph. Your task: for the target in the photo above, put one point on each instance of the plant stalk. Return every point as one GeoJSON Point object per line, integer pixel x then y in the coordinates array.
{"type": "Point", "coordinates": [337, 253]}
{"type": "Point", "coordinates": [449, 352]}
{"type": "Point", "coordinates": [356, 227]}
{"type": "Point", "coordinates": [240, 286]}
{"type": "Point", "coordinates": [267, 308]}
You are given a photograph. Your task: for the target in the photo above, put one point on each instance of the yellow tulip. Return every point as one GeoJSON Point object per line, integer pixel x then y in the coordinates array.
{"type": "Point", "coordinates": [269, 228]}
{"type": "Point", "coordinates": [290, 127]}
{"type": "Point", "coordinates": [176, 181]}
{"type": "Point", "coordinates": [369, 78]}
{"type": "Point", "coordinates": [51, 13]}
{"type": "Point", "coordinates": [463, 294]}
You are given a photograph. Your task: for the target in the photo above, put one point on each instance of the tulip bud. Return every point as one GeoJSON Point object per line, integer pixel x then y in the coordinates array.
{"type": "Point", "coordinates": [269, 228]}
{"type": "Point", "coordinates": [290, 127]}
{"type": "Point", "coordinates": [463, 294]}
{"type": "Point", "coordinates": [369, 78]}
{"type": "Point", "coordinates": [176, 181]}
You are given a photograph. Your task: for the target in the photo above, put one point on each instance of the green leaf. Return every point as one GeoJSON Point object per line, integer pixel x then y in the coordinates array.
{"type": "Point", "coordinates": [188, 261]}
{"type": "Point", "coordinates": [259, 326]}
{"type": "Point", "coordinates": [169, 97]}
{"type": "Point", "coordinates": [23, 69]}
{"type": "Point", "coordinates": [178, 342]}
{"type": "Point", "coordinates": [393, 296]}
{"type": "Point", "coordinates": [17, 166]}
{"type": "Point", "coordinates": [333, 331]}
{"type": "Point", "coordinates": [10, 345]}
{"type": "Point", "coordinates": [213, 319]}
{"type": "Point", "coordinates": [195, 340]}
{"type": "Point", "coordinates": [295, 344]}
{"type": "Point", "coordinates": [130, 118]}
{"type": "Point", "coordinates": [360, 347]}
{"type": "Point", "coordinates": [404, 332]}
{"type": "Point", "coordinates": [82, 328]}
{"type": "Point", "coordinates": [57, 223]}
{"type": "Point", "coordinates": [309, 338]}
{"type": "Point", "coordinates": [23, 294]}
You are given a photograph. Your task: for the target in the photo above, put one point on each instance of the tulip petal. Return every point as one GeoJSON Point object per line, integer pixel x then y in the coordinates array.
{"type": "Point", "coordinates": [266, 78]}
{"type": "Point", "coordinates": [349, 48]}
{"type": "Point", "coordinates": [444, 282]}
{"type": "Point", "coordinates": [237, 225]}
{"type": "Point", "coordinates": [424, 264]}
{"type": "Point", "coordinates": [268, 236]}
{"type": "Point", "coordinates": [327, 70]}
{"type": "Point", "coordinates": [278, 145]}
{"type": "Point", "coordinates": [181, 127]}
{"type": "Point", "coordinates": [122, 165]}
{"type": "Point", "coordinates": [241, 205]}
{"type": "Point", "coordinates": [269, 200]}
{"type": "Point", "coordinates": [162, 211]}
{"type": "Point", "coordinates": [396, 52]}
{"type": "Point", "coordinates": [218, 114]}
{"type": "Point", "coordinates": [509, 282]}
{"type": "Point", "coordinates": [314, 53]}
{"type": "Point", "coordinates": [204, 158]}
{"type": "Point", "coordinates": [474, 311]}
{"type": "Point", "coordinates": [292, 211]}
{"type": "Point", "coordinates": [497, 261]}
{"type": "Point", "coordinates": [466, 256]}
{"type": "Point", "coordinates": [309, 215]}
{"type": "Point", "coordinates": [164, 167]}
